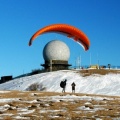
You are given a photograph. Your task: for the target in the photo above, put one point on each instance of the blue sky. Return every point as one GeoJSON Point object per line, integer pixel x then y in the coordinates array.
{"type": "Point", "coordinates": [20, 19]}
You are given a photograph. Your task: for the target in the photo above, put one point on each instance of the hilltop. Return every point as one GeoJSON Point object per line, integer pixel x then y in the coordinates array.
{"type": "Point", "coordinates": [87, 81]}
{"type": "Point", "coordinates": [96, 98]}
{"type": "Point", "coordinates": [88, 72]}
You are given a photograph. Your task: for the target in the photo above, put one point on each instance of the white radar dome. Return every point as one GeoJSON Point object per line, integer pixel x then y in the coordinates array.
{"type": "Point", "coordinates": [56, 50]}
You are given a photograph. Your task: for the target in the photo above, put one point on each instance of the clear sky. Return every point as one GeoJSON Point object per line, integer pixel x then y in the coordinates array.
{"type": "Point", "coordinates": [20, 19]}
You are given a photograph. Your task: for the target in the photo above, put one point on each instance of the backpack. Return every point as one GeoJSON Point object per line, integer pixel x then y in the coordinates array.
{"type": "Point", "coordinates": [62, 84]}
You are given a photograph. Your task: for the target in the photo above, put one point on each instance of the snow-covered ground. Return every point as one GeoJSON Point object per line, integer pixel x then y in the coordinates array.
{"type": "Point", "coordinates": [95, 84]}
{"type": "Point", "coordinates": [28, 105]}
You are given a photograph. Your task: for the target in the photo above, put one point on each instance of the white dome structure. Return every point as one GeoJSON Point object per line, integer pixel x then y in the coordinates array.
{"type": "Point", "coordinates": [56, 55]}
{"type": "Point", "coordinates": [56, 50]}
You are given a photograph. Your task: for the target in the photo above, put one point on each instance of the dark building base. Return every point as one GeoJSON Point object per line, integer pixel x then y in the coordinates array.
{"type": "Point", "coordinates": [54, 65]}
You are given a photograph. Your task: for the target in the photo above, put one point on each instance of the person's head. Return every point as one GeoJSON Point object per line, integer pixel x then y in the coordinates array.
{"type": "Point", "coordinates": [65, 80]}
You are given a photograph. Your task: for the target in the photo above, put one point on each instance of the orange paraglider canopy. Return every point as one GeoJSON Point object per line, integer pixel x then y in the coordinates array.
{"type": "Point", "coordinates": [65, 29]}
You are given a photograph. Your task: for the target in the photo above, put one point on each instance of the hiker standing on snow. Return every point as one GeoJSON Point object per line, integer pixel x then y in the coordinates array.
{"type": "Point", "coordinates": [63, 85]}
{"type": "Point", "coordinates": [73, 87]}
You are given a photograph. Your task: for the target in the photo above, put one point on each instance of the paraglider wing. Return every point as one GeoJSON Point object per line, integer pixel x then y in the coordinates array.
{"type": "Point", "coordinates": [65, 29]}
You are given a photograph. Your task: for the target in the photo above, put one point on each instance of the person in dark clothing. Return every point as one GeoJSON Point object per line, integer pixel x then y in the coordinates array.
{"type": "Point", "coordinates": [73, 87]}
{"type": "Point", "coordinates": [63, 85]}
